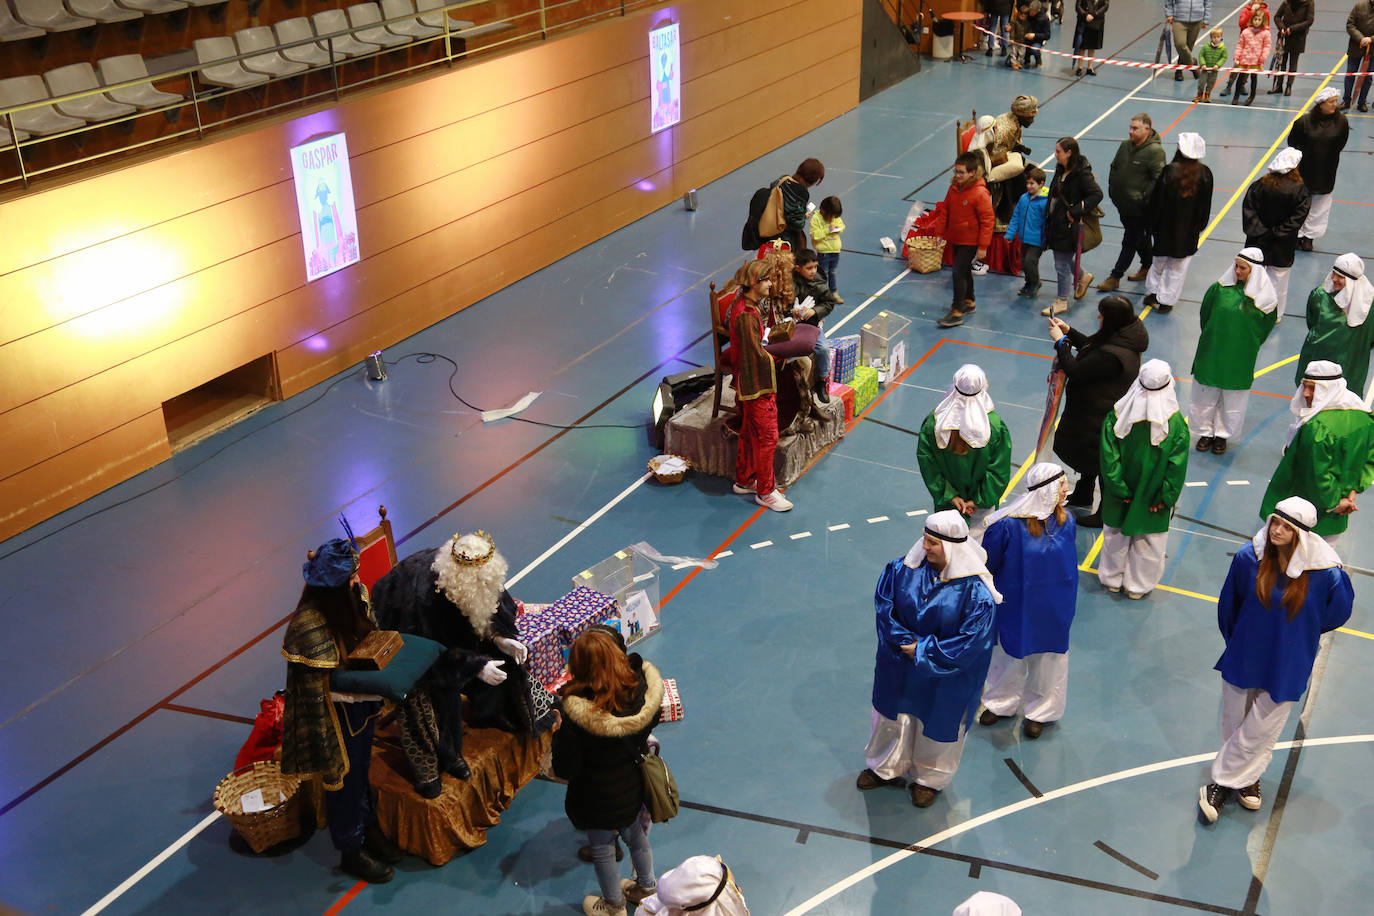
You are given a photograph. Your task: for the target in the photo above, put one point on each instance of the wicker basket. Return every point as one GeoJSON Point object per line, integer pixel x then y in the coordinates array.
{"type": "Point", "coordinates": [925, 253]}
{"type": "Point", "coordinates": [261, 829]}
{"type": "Point", "coordinates": [666, 477]}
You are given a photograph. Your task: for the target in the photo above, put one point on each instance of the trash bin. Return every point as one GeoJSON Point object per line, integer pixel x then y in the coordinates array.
{"type": "Point", "coordinates": [942, 40]}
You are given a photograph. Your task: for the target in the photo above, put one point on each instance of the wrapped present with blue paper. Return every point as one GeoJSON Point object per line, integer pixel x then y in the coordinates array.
{"type": "Point", "coordinates": [550, 632]}
{"type": "Point", "coordinates": [865, 385]}
{"type": "Point", "coordinates": [844, 358]}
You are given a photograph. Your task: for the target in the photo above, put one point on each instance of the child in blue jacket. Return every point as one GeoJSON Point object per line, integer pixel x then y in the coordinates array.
{"type": "Point", "coordinates": [1028, 224]}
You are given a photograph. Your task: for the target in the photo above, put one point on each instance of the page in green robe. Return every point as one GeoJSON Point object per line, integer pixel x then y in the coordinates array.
{"type": "Point", "coordinates": [1332, 454]}
{"type": "Point", "coordinates": [1147, 475]}
{"type": "Point", "coordinates": [1330, 338]}
{"type": "Point", "coordinates": [980, 475]}
{"type": "Point", "coordinates": [1232, 332]}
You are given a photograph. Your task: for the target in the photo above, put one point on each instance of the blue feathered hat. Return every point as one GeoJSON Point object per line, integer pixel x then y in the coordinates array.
{"type": "Point", "coordinates": [334, 562]}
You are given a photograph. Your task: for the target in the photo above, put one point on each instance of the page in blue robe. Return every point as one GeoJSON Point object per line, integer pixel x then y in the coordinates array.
{"type": "Point", "coordinates": [1264, 649]}
{"type": "Point", "coordinates": [1038, 579]}
{"type": "Point", "coordinates": [952, 626]}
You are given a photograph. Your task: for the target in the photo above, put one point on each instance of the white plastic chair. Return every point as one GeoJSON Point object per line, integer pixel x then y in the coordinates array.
{"type": "Point", "coordinates": [80, 78]}
{"type": "Point", "coordinates": [12, 29]}
{"type": "Point", "coordinates": [102, 10]}
{"type": "Point", "coordinates": [127, 67]}
{"type": "Point", "coordinates": [436, 20]}
{"type": "Point", "coordinates": [289, 31]}
{"type": "Point", "coordinates": [332, 22]}
{"type": "Point", "coordinates": [21, 90]}
{"type": "Point", "coordinates": [261, 38]}
{"type": "Point", "coordinates": [361, 15]}
{"type": "Point", "coordinates": [230, 75]}
{"type": "Point", "coordinates": [412, 29]}
{"type": "Point", "coordinates": [150, 7]}
{"type": "Point", "coordinates": [49, 16]}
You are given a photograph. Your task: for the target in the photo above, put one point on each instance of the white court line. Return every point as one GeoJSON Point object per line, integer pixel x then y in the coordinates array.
{"type": "Point", "coordinates": [760, 545]}
{"type": "Point", "coordinates": [153, 863]}
{"type": "Point", "coordinates": [1195, 483]}
{"type": "Point", "coordinates": [1224, 103]}
{"type": "Point", "coordinates": [578, 530]}
{"type": "Point", "coordinates": [917, 512]}
{"type": "Point", "coordinates": [723, 554]}
{"type": "Point", "coordinates": [799, 535]}
{"type": "Point", "coordinates": [840, 527]}
{"type": "Point", "coordinates": [877, 518]}
{"type": "Point", "coordinates": [830, 331]}
{"type": "Point", "coordinates": [1054, 795]}
{"type": "Point", "coordinates": [1238, 483]}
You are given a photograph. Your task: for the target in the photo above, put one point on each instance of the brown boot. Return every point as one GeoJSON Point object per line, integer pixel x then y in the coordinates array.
{"type": "Point", "coordinates": [1109, 284]}
{"type": "Point", "coordinates": [1138, 275]}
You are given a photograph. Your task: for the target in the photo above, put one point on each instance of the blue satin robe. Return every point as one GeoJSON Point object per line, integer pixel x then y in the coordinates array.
{"type": "Point", "coordinates": [1038, 579]}
{"type": "Point", "coordinates": [1264, 648]}
{"type": "Point", "coordinates": [952, 626]}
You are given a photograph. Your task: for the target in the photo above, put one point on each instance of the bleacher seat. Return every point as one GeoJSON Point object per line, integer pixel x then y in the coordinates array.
{"type": "Point", "coordinates": [81, 78]}
{"type": "Point", "coordinates": [412, 29]}
{"type": "Point", "coordinates": [290, 31]}
{"type": "Point", "coordinates": [21, 90]}
{"type": "Point", "coordinates": [150, 7]}
{"type": "Point", "coordinates": [436, 19]}
{"type": "Point", "coordinates": [363, 15]}
{"type": "Point", "coordinates": [334, 22]}
{"type": "Point", "coordinates": [102, 10]}
{"type": "Point", "coordinates": [261, 38]}
{"type": "Point", "coordinates": [6, 140]}
{"type": "Point", "coordinates": [231, 74]}
{"type": "Point", "coordinates": [49, 15]}
{"type": "Point", "coordinates": [127, 67]}
{"type": "Point", "coordinates": [12, 29]}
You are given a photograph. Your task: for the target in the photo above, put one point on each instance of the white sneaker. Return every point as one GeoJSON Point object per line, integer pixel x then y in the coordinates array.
{"type": "Point", "coordinates": [1057, 307]}
{"type": "Point", "coordinates": [775, 501]}
{"type": "Point", "coordinates": [596, 905]}
{"type": "Point", "coordinates": [979, 269]}
{"type": "Point", "coordinates": [742, 491]}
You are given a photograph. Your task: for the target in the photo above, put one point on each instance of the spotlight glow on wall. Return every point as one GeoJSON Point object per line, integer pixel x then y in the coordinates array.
{"type": "Point", "coordinates": [324, 199]}
{"type": "Point", "coordinates": [665, 79]}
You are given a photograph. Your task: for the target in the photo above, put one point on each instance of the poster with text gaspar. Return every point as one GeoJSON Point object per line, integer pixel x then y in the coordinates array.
{"type": "Point", "coordinates": [324, 199]}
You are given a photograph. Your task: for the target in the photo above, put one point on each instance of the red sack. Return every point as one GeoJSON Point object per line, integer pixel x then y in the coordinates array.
{"type": "Point", "coordinates": [265, 738]}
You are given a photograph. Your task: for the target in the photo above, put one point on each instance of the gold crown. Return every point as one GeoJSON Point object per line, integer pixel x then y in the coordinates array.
{"type": "Point", "coordinates": [466, 560]}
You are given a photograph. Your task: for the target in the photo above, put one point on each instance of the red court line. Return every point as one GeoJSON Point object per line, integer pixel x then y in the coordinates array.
{"type": "Point", "coordinates": [343, 901]}
{"type": "Point", "coordinates": [1177, 119]}
{"type": "Point", "coordinates": [968, 343]}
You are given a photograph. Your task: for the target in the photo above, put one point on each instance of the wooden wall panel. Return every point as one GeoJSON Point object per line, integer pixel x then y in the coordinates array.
{"type": "Point", "coordinates": [465, 182]}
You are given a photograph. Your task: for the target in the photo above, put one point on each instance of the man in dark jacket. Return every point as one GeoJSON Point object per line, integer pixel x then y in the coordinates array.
{"type": "Point", "coordinates": [1293, 19]}
{"type": "Point", "coordinates": [1137, 165]}
{"type": "Point", "coordinates": [1320, 135]}
{"type": "Point", "coordinates": [999, 22]}
{"type": "Point", "coordinates": [808, 283]}
{"type": "Point", "coordinates": [1359, 25]}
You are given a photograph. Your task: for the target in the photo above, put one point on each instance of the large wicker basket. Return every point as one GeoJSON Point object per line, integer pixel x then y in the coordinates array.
{"type": "Point", "coordinates": [925, 253]}
{"type": "Point", "coordinates": [261, 829]}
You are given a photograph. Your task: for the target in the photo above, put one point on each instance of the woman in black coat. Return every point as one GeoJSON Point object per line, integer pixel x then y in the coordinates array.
{"type": "Point", "coordinates": [609, 707]}
{"type": "Point", "coordinates": [1074, 193]}
{"type": "Point", "coordinates": [1293, 19]}
{"type": "Point", "coordinates": [1275, 207]}
{"type": "Point", "coordinates": [1180, 206]}
{"type": "Point", "coordinates": [1099, 369]}
{"type": "Point", "coordinates": [1088, 31]}
{"type": "Point", "coordinates": [1320, 134]}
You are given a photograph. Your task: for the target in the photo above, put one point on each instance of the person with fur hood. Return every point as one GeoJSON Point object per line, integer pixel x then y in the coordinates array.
{"type": "Point", "coordinates": [610, 706]}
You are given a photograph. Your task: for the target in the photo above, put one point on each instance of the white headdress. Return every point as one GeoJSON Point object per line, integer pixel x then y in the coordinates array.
{"type": "Point", "coordinates": [1043, 484]}
{"type": "Point", "coordinates": [986, 903]}
{"type": "Point", "coordinates": [964, 556]}
{"type": "Point", "coordinates": [1151, 397]}
{"type": "Point", "coordinates": [1311, 551]}
{"type": "Point", "coordinates": [1192, 145]}
{"type": "Point", "coordinates": [1259, 287]}
{"type": "Point", "coordinates": [700, 886]}
{"type": "Point", "coordinates": [1286, 160]}
{"type": "Point", "coordinates": [1328, 93]}
{"type": "Point", "coordinates": [965, 408]}
{"type": "Point", "coordinates": [982, 138]}
{"type": "Point", "coordinates": [1354, 298]}
{"type": "Point", "coordinates": [1330, 393]}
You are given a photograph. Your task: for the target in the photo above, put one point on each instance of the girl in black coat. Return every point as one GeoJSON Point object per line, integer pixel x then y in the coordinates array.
{"type": "Point", "coordinates": [1088, 32]}
{"type": "Point", "coordinates": [1180, 207]}
{"type": "Point", "coordinates": [1099, 368]}
{"type": "Point", "coordinates": [1272, 214]}
{"type": "Point", "coordinates": [609, 707]}
{"type": "Point", "coordinates": [1320, 135]}
{"type": "Point", "coordinates": [1074, 192]}
{"type": "Point", "coordinates": [1293, 19]}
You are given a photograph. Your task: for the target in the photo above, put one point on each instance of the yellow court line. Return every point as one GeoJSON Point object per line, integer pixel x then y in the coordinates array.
{"type": "Point", "coordinates": [1021, 472]}
{"type": "Point", "coordinates": [1264, 160]}
{"type": "Point", "coordinates": [1361, 633]}
{"type": "Point", "coordinates": [1092, 555]}
{"type": "Point", "coordinates": [1278, 365]}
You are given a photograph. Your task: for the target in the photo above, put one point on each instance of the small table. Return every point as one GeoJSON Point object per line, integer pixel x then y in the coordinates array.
{"type": "Point", "coordinates": [961, 17]}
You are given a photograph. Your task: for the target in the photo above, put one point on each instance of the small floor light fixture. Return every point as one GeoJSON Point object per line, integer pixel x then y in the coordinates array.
{"type": "Point", "coordinates": [376, 366]}
{"type": "Point", "coordinates": [674, 393]}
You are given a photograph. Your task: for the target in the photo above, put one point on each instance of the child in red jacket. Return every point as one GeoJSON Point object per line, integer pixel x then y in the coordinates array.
{"type": "Point", "coordinates": [965, 223]}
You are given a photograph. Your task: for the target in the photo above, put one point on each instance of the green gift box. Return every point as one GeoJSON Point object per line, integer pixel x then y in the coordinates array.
{"type": "Point", "coordinates": [865, 385]}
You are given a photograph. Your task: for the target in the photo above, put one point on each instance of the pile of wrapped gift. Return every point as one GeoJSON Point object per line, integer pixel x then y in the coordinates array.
{"type": "Point", "coordinates": [549, 630]}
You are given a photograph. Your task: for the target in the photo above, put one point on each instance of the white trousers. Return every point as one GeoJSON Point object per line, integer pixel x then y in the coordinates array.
{"type": "Point", "coordinates": [1279, 277]}
{"type": "Point", "coordinates": [1166, 277]}
{"type": "Point", "coordinates": [1217, 411]}
{"type": "Point", "coordinates": [901, 748]}
{"type": "Point", "coordinates": [1314, 227]}
{"type": "Point", "coordinates": [1133, 562]}
{"type": "Point", "coordinates": [1250, 724]}
{"type": "Point", "coordinates": [1037, 685]}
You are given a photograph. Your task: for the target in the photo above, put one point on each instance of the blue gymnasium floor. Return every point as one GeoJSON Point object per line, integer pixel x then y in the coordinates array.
{"type": "Point", "coordinates": [124, 683]}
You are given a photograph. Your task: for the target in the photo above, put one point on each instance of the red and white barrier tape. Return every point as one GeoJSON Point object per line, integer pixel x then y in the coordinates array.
{"type": "Point", "coordinates": [1143, 65]}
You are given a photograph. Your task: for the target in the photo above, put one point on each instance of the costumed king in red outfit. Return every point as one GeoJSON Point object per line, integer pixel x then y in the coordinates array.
{"type": "Point", "coordinates": [756, 387]}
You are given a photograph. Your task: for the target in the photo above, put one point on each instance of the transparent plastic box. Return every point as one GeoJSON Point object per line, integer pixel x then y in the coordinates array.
{"type": "Point", "coordinates": [624, 576]}
{"type": "Point", "coordinates": [883, 342]}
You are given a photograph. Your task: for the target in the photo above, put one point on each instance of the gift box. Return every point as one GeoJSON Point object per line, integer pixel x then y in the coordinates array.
{"type": "Point", "coordinates": [671, 709]}
{"type": "Point", "coordinates": [865, 385]}
{"type": "Point", "coordinates": [844, 357]}
{"type": "Point", "coordinates": [846, 396]}
{"type": "Point", "coordinates": [549, 632]}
